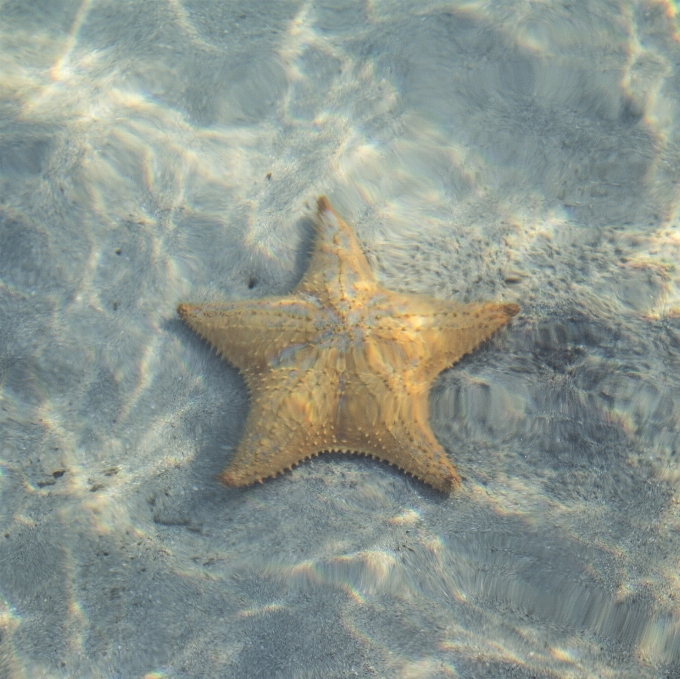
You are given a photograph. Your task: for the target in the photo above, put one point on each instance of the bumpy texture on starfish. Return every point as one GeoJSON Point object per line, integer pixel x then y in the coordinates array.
{"type": "Point", "coordinates": [341, 364]}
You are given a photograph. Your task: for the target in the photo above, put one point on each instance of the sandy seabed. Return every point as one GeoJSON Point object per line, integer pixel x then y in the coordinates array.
{"type": "Point", "coordinates": [159, 151]}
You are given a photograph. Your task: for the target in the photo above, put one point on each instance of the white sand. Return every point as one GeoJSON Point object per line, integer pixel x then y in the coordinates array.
{"type": "Point", "coordinates": [155, 152]}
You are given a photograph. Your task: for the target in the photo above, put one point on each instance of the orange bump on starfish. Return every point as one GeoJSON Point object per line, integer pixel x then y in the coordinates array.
{"type": "Point", "coordinates": [341, 364]}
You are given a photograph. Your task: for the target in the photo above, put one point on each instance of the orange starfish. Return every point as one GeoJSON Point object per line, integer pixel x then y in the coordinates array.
{"type": "Point", "coordinates": [341, 364]}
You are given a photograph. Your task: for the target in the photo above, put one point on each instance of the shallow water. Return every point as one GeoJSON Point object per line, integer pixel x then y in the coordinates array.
{"type": "Point", "coordinates": [158, 152]}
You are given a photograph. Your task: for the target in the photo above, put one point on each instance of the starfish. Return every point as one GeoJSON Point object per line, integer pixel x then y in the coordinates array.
{"type": "Point", "coordinates": [341, 364]}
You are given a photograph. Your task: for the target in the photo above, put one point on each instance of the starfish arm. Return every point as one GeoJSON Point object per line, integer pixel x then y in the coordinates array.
{"type": "Point", "coordinates": [430, 335]}
{"type": "Point", "coordinates": [338, 269]}
{"type": "Point", "coordinates": [253, 334]}
{"type": "Point", "coordinates": [384, 415]}
{"type": "Point", "coordinates": [290, 415]}
{"type": "Point", "coordinates": [414, 449]}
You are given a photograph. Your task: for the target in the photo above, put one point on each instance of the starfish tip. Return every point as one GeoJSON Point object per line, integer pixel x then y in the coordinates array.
{"type": "Point", "coordinates": [323, 204]}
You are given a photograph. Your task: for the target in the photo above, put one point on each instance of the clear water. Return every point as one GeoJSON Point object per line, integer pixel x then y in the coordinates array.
{"type": "Point", "coordinates": [163, 151]}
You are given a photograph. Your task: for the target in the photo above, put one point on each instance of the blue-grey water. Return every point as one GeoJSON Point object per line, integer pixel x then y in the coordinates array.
{"type": "Point", "coordinates": [172, 150]}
